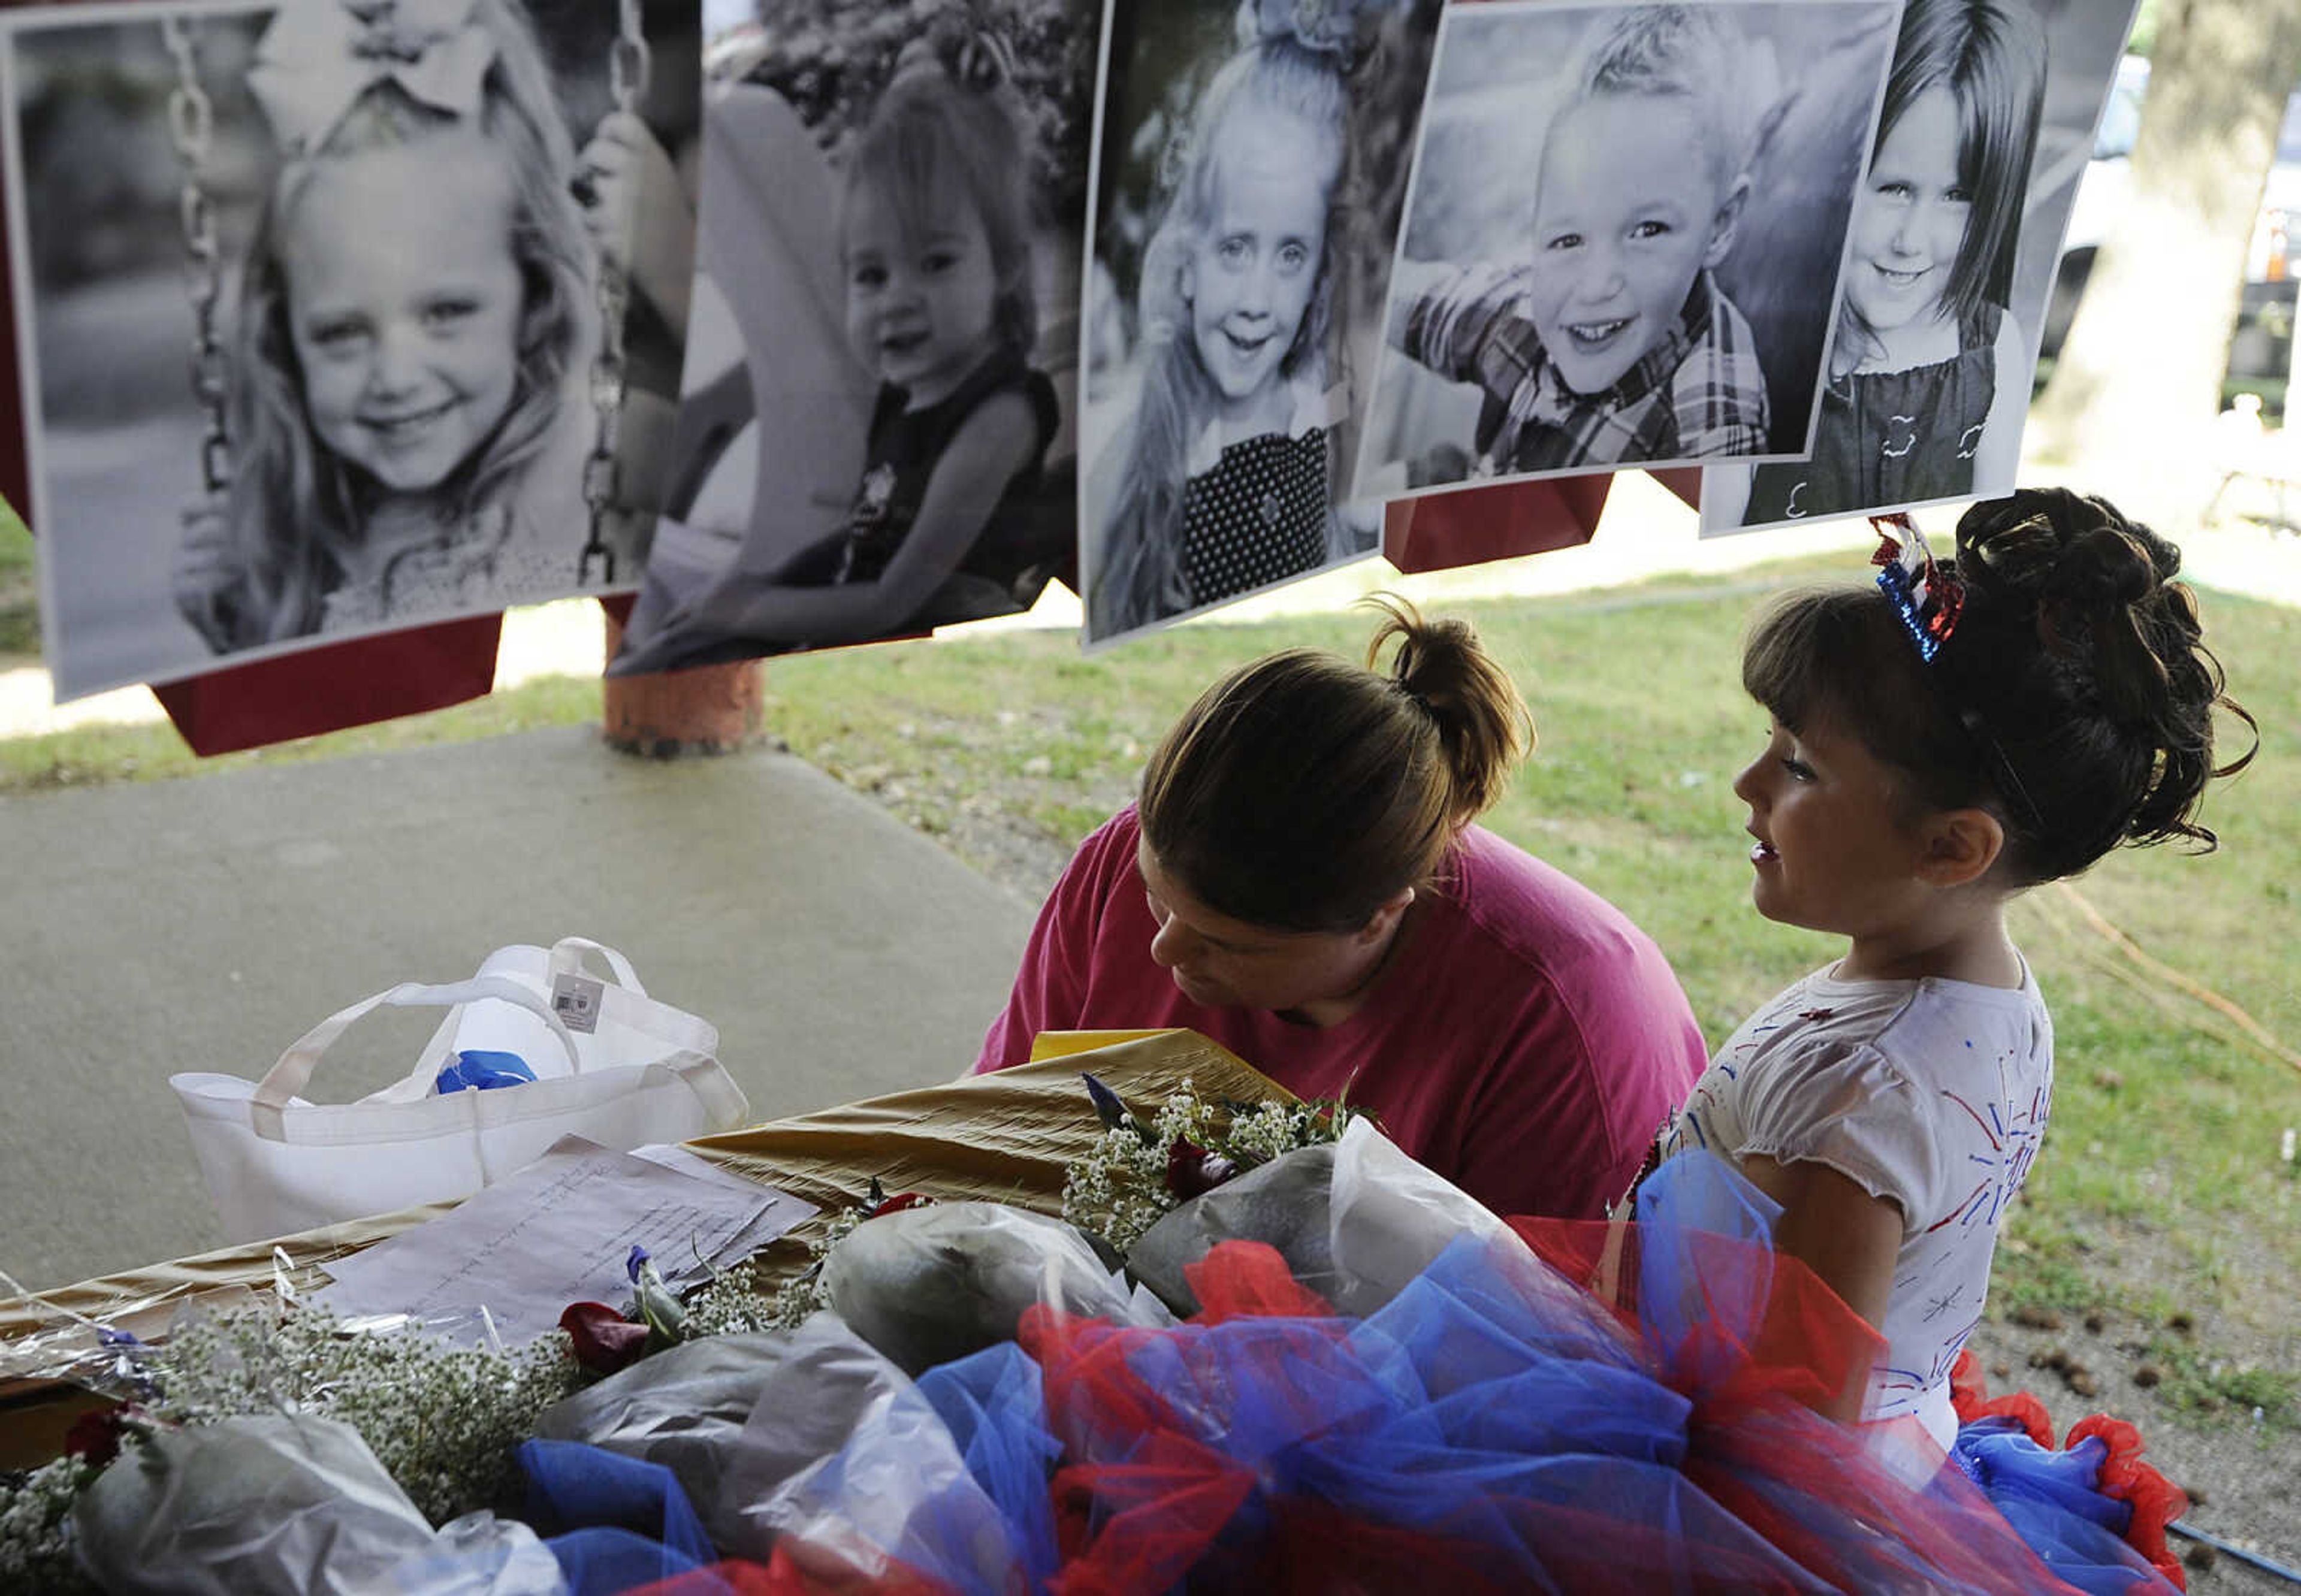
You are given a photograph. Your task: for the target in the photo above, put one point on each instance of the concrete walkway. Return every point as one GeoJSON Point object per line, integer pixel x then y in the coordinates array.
{"type": "Point", "coordinates": [207, 924]}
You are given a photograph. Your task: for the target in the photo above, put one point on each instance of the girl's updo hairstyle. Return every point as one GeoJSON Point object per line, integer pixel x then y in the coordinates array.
{"type": "Point", "coordinates": [2074, 699]}
{"type": "Point", "coordinates": [1302, 792]}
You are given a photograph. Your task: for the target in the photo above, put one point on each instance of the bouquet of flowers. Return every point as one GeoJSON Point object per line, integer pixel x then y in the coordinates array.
{"type": "Point", "coordinates": [1142, 1170]}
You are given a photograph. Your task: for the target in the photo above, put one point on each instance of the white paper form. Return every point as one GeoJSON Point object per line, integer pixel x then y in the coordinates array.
{"type": "Point", "coordinates": [556, 1233]}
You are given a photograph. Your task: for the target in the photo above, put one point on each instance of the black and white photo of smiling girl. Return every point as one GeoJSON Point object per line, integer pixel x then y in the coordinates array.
{"type": "Point", "coordinates": [1251, 163]}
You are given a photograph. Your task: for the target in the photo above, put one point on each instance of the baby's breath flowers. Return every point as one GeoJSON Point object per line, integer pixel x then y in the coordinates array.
{"type": "Point", "coordinates": [1140, 1170]}
{"type": "Point", "coordinates": [442, 1419]}
{"type": "Point", "coordinates": [35, 1555]}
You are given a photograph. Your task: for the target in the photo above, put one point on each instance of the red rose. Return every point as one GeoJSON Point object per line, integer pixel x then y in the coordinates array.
{"type": "Point", "coordinates": [605, 1340]}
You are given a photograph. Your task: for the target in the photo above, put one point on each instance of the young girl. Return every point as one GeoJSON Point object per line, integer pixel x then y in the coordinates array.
{"type": "Point", "coordinates": [935, 243]}
{"type": "Point", "coordinates": [2037, 702]}
{"type": "Point", "coordinates": [1914, 409]}
{"type": "Point", "coordinates": [414, 302]}
{"type": "Point", "coordinates": [1224, 477]}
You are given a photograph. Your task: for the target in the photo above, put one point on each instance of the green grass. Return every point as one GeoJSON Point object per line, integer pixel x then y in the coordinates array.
{"type": "Point", "coordinates": [19, 609]}
{"type": "Point", "coordinates": [88, 755]}
{"type": "Point", "coordinates": [2161, 1175]}
{"type": "Point", "coordinates": [2193, 1379]}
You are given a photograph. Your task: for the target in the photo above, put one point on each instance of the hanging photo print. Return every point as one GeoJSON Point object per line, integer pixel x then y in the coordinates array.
{"type": "Point", "coordinates": [1249, 177]}
{"type": "Point", "coordinates": [877, 432]}
{"type": "Point", "coordinates": [1987, 123]}
{"type": "Point", "coordinates": [395, 239]}
{"type": "Point", "coordinates": [1623, 239]}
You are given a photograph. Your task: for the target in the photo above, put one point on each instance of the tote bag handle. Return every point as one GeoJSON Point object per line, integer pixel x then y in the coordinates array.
{"type": "Point", "coordinates": [568, 958]}
{"type": "Point", "coordinates": [287, 1078]}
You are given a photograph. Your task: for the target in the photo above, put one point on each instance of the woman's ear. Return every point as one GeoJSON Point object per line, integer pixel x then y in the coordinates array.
{"type": "Point", "coordinates": [1385, 920]}
{"type": "Point", "coordinates": [1960, 845]}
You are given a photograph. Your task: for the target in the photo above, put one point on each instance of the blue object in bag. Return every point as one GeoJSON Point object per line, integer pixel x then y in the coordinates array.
{"type": "Point", "coordinates": [482, 1069]}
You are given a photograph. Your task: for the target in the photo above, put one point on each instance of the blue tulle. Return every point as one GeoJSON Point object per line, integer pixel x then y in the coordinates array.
{"type": "Point", "coordinates": [2052, 1499]}
{"type": "Point", "coordinates": [612, 1522]}
{"type": "Point", "coordinates": [996, 1410]}
{"type": "Point", "coordinates": [1691, 1311]}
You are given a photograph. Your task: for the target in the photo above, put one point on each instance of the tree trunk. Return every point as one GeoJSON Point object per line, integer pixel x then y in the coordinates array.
{"type": "Point", "coordinates": [2134, 394]}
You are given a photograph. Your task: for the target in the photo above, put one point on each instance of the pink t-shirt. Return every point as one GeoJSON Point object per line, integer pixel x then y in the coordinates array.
{"type": "Point", "coordinates": [1527, 1045]}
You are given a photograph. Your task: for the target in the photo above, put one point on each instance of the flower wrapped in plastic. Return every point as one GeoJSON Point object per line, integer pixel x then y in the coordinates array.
{"type": "Point", "coordinates": [1355, 1220]}
{"type": "Point", "coordinates": [292, 1504]}
{"type": "Point", "coordinates": [932, 1284]}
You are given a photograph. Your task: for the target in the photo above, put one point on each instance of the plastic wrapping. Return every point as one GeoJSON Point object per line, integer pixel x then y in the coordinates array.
{"type": "Point", "coordinates": [932, 1284]}
{"type": "Point", "coordinates": [897, 1495]}
{"type": "Point", "coordinates": [689, 1405]}
{"type": "Point", "coordinates": [479, 1555]}
{"type": "Point", "coordinates": [1282, 1204]}
{"type": "Point", "coordinates": [296, 1505]}
{"type": "Point", "coordinates": [1355, 1221]}
{"type": "Point", "coordinates": [1389, 1218]}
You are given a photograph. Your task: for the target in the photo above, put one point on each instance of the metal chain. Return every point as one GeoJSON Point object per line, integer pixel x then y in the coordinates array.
{"type": "Point", "coordinates": [191, 128]}
{"type": "Point", "coordinates": [628, 67]}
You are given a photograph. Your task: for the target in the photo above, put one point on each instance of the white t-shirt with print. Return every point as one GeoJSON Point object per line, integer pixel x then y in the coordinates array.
{"type": "Point", "coordinates": [1931, 1093]}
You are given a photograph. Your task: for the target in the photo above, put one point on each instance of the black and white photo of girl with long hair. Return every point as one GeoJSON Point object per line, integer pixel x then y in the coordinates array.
{"type": "Point", "coordinates": [369, 220]}
{"type": "Point", "coordinates": [1987, 124]}
{"type": "Point", "coordinates": [1222, 446]}
{"type": "Point", "coordinates": [416, 294]}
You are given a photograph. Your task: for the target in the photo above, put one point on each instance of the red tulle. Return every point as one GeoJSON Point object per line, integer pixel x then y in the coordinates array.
{"type": "Point", "coordinates": [1140, 1525]}
{"type": "Point", "coordinates": [1149, 1491]}
{"type": "Point", "coordinates": [1762, 1368]}
{"type": "Point", "coordinates": [1970, 1399]}
{"type": "Point", "coordinates": [1805, 1344]}
{"type": "Point", "coordinates": [2156, 1501]}
{"type": "Point", "coordinates": [1152, 1494]}
{"type": "Point", "coordinates": [800, 1571]}
{"type": "Point", "coordinates": [1250, 1280]}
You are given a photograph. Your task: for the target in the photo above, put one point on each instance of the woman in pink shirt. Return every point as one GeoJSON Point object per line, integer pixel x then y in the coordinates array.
{"type": "Point", "coordinates": [1302, 881]}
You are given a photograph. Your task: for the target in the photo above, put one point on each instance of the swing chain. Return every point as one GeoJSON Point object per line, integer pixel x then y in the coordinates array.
{"type": "Point", "coordinates": [628, 67]}
{"type": "Point", "coordinates": [191, 130]}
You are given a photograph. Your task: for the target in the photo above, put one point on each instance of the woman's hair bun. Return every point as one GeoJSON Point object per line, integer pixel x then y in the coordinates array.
{"type": "Point", "coordinates": [1483, 723]}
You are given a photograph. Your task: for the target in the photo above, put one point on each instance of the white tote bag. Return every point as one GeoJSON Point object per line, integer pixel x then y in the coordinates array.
{"type": "Point", "coordinates": [634, 1070]}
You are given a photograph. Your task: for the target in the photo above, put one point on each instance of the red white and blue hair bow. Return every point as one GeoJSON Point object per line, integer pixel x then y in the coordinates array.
{"type": "Point", "coordinates": [1925, 594]}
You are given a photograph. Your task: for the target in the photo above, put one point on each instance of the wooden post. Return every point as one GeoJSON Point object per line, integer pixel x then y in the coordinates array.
{"type": "Point", "coordinates": [711, 709]}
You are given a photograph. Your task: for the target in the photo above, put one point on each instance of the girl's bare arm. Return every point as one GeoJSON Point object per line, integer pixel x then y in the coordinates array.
{"type": "Point", "coordinates": [990, 447]}
{"type": "Point", "coordinates": [1848, 1238]}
